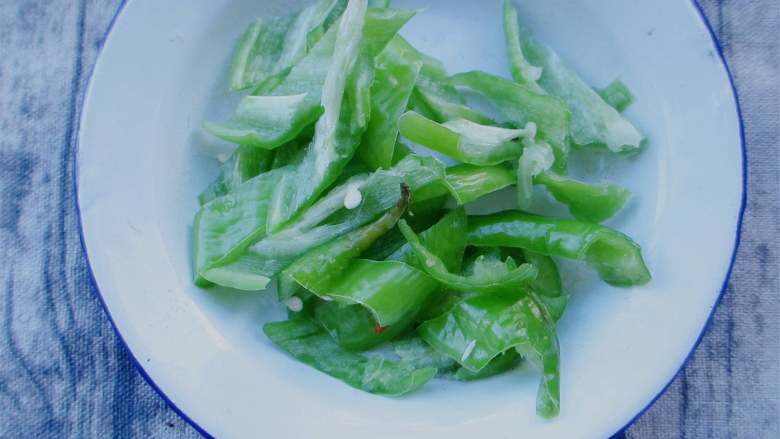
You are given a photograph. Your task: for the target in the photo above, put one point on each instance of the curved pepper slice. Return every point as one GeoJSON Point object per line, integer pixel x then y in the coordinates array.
{"type": "Point", "coordinates": [617, 95]}
{"type": "Point", "coordinates": [338, 132]}
{"type": "Point", "coordinates": [616, 258]}
{"type": "Point", "coordinates": [521, 105]}
{"type": "Point", "coordinates": [355, 328]}
{"type": "Point", "coordinates": [225, 226]}
{"type": "Point", "coordinates": [315, 84]}
{"type": "Point", "coordinates": [332, 273]}
{"type": "Point", "coordinates": [306, 342]}
{"type": "Point", "coordinates": [270, 47]}
{"type": "Point", "coordinates": [502, 363]}
{"type": "Point", "coordinates": [547, 284]}
{"type": "Point", "coordinates": [479, 329]}
{"type": "Point", "coordinates": [594, 122]}
{"type": "Point", "coordinates": [320, 268]}
{"type": "Point", "coordinates": [391, 293]}
{"type": "Point", "coordinates": [245, 163]}
{"type": "Point", "coordinates": [467, 183]}
{"type": "Point", "coordinates": [522, 71]}
{"type": "Point", "coordinates": [488, 277]}
{"type": "Point", "coordinates": [465, 141]}
{"type": "Point", "coordinates": [587, 202]}
{"type": "Point", "coordinates": [396, 74]}
{"type": "Point", "coordinates": [223, 230]}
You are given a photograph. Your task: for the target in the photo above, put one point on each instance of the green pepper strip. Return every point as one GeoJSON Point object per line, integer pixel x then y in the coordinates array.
{"type": "Point", "coordinates": [321, 267]}
{"type": "Point", "coordinates": [279, 113]}
{"type": "Point", "coordinates": [586, 202]}
{"type": "Point", "coordinates": [395, 292]}
{"type": "Point", "coordinates": [307, 343]}
{"type": "Point", "coordinates": [594, 123]}
{"type": "Point", "coordinates": [522, 70]}
{"type": "Point", "coordinates": [433, 95]}
{"type": "Point", "coordinates": [396, 74]}
{"type": "Point", "coordinates": [479, 329]}
{"type": "Point", "coordinates": [616, 258]}
{"type": "Point", "coordinates": [463, 140]}
{"type": "Point", "coordinates": [226, 226]}
{"type": "Point", "coordinates": [502, 363]}
{"type": "Point", "coordinates": [467, 183]}
{"type": "Point", "coordinates": [221, 241]}
{"type": "Point", "coordinates": [245, 163]}
{"type": "Point", "coordinates": [331, 273]}
{"type": "Point", "coordinates": [548, 283]}
{"type": "Point", "coordinates": [270, 47]}
{"type": "Point", "coordinates": [521, 105]}
{"type": "Point", "coordinates": [492, 281]}
{"type": "Point", "coordinates": [617, 95]}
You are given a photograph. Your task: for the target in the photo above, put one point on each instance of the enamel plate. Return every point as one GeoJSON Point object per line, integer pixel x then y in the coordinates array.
{"type": "Point", "coordinates": [143, 159]}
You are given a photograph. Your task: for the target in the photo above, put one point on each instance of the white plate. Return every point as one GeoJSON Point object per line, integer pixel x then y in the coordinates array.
{"type": "Point", "coordinates": [142, 161]}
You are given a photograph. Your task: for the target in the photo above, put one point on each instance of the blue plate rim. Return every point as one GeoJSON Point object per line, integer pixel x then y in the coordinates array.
{"type": "Point", "coordinates": [79, 221]}
{"type": "Point", "coordinates": [743, 204]}
{"type": "Point", "coordinates": [139, 367]}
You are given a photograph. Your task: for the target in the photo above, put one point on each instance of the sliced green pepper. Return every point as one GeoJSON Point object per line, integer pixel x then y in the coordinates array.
{"type": "Point", "coordinates": [271, 46]}
{"type": "Point", "coordinates": [442, 102]}
{"type": "Point", "coordinates": [432, 68]}
{"type": "Point", "coordinates": [502, 363]}
{"type": "Point", "coordinates": [616, 258]}
{"type": "Point", "coordinates": [358, 93]}
{"type": "Point", "coordinates": [445, 240]}
{"type": "Point", "coordinates": [244, 164]}
{"type": "Point", "coordinates": [392, 293]}
{"type": "Point", "coordinates": [464, 140]}
{"type": "Point", "coordinates": [268, 121]}
{"type": "Point", "coordinates": [354, 327]}
{"type": "Point", "coordinates": [479, 329]}
{"type": "Point", "coordinates": [413, 350]}
{"type": "Point", "coordinates": [396, 74]}
{"type": "Point", "coordinates": [388, 244]}
{"type": "Point", "coordinates": [594, 123]}
{"type": "Point", "coordinates": [548, 283]}
{"type": "Point", "coordinates": [331, 273]}
{"type": "Point", "coordinates": [433, 95]}
{"type": "Point", "coordinates": [441, 305]}
{"type": "Point", "coordinates": [391, 290]}
{"type": "Point", "coordinates": [250, 266]}
{"type": "Point", "coordinates": [469, 182]}
{"type": "Point", "coordinates": [324, 264]}
{"type": "Point", "coordinates": [289, 155]}
{"type": "Point", "coordinates": [489, 145]}
{"type": "Point", "coordinates": [522, 70]}
{"type": "Point", "coordinates": [488, 277]}
{"type": "Point", "coordinates": [279, 115]}
{"type": "Point", "coordinates": [537, 157]}
{"type": "Point", "coordinates": [227, 225]}
{"type": "Point", "coordinates": [587, 202]}
{"type": "Point", "coordinates": [327, 219]}
{"type": "Point", "coordinates": [338, 132]}
{"type": "Point", "coordinates": [617, 95]}
{"type": "Point", "coordinates": [521, 105]}
{"type": "Point", "coordinates": [307, 343]}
